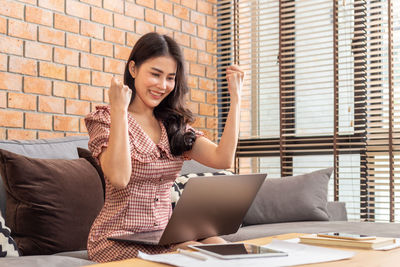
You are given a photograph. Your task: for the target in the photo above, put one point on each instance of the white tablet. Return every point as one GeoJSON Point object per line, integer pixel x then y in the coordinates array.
{"type": "Point", "coordinates": [237, 250]}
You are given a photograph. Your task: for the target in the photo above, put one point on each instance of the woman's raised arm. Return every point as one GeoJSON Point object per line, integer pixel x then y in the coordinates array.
{"type": "Point", "coordinates": [222, 156]}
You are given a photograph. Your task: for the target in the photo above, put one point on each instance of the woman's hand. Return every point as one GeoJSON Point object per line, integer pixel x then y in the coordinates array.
{"type": "Point", "coordinates": [234, 76]}
{"type": "Point", "coordinates": [119, 95]}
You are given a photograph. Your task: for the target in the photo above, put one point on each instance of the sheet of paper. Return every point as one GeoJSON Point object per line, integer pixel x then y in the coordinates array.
{"type": "Point", "coordinates": [297, 254]}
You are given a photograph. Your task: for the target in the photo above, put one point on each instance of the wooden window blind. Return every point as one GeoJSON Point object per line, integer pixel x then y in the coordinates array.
{"type": "Point", "coordinates": [322, 89]}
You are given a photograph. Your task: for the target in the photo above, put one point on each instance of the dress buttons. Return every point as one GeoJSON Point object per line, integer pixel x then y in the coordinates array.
{"type": "Point", "coordinates": [161, 179]}
{"type": "Point", "coordinates": [156, 199]}
{"type": "Point", "coordinates": [155, 224]}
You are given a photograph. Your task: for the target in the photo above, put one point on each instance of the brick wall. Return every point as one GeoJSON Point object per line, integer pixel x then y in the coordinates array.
{"type": "Point", "coordinates": [57, 58]}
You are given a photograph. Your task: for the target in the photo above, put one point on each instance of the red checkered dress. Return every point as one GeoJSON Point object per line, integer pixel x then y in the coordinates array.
{"type": "Point", "coordinates": [144, 205]}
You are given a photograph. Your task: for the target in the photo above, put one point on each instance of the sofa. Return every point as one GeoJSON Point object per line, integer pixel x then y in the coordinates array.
{"type": "Point", "coordinates": [50, 227]}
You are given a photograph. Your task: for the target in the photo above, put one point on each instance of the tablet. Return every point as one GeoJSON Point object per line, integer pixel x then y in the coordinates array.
{"type": "Point", "coordinates": [237, 250]}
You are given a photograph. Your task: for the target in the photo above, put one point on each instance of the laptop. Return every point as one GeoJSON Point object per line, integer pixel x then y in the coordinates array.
{"type": "Point", "coordinates": [209, 206]}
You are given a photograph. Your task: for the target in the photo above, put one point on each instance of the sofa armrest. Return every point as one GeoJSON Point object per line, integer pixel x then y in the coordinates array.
{"type": "Point", "coordinates": [337, 211]}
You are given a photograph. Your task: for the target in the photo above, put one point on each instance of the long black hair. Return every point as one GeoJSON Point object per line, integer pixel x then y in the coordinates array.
{"type": "Point", "coordinates": [171, 111]}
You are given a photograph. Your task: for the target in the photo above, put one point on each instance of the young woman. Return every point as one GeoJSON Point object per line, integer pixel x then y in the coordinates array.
{"type": "Point", "coordinates": [141, 140]}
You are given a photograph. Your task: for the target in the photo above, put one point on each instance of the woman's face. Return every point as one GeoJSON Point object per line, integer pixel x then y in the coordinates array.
{"type": "Point", "coordinates": [154, 80]}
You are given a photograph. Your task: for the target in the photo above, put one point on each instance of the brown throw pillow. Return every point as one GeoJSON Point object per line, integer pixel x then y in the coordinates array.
{"type": "Point", "coordinates": [51, 203]}
{"type": "Point", "coordinates": [86, 154]}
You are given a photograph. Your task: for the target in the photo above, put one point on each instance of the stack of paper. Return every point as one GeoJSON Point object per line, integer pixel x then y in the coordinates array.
{"type": "Point", "coordinates": [297, 254]}
{"type": "Point", "coordinates": [378, 242]}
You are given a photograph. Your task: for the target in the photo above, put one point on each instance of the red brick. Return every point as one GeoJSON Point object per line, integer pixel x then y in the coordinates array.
{"type": "Point", "coordinates": [78, 75]}
{"type": "Point", "coordinates": [78, 42]}
{"type": "Point", "coordinates": [10, 81]}
{"type": "Point", "coordinates": [211, 47]}
{"type": "Point", "coordinates": [51, 70]}
{"type": "Point", "coordinates": [51, 104]}
{"type": "Point", "coordinates": [206, 84]}
{"type": "Point", "coordinates": [3, 134]}
{"type": "Point", "coordinates": [12, 9]}
{"type": "Point", "coordinates": [114, 35]}
{"type": "Point", "coordinates": [97, 3]}
{"type": "Point", "coordinates": [123, 22]}
{"type": "Point", "coordinates": [66, 56]}
{"type": "Point", "coordinates": [146, 3]}
{"type": "Point", "coordinates": [21, 101]}
{"type": "Point", "coordinates": [193, 81]}
{"type": "Point", "coordinates": [134, 11]}
{"type": "Point", "coordinates": [197, 18]}
{"type": "Point", "coordinates": [212, 123]}
{"type": "Point", "coordinates": [65, 89]}
{"type": "Point", "coordinates": [38, 121]}
{"type": "Point", "coordinates": [196, 69]}
{"type": "Point", "coordinates": [101, 48]}
{"type": "Point", "coordinates": [102, 16]}
{"type": "Point", "coordinates": [82, 125]}
{"type": "Point", "coordinates": [194, 107]}
{"type": "Point", "coordinates": [206, 109]}
{"type": "Point", "coordinates": [200, 122]}
{"type": "Point", "coordinates": [205, 58]}
{"type": "Point", "coordinates": [197, 96]}
{"type": "Point", "coordinates": [38, 16]}
{"type": "Point", "coordinates": [182, 38]}
{"type": "Point", "coordinates": [3, 62]}
{"type": "Point", "coordinates": [91, 61]}
{"type": "Point", "coordinates": [198, 43]}
{"type": "Point", "coordinates": [101, 79]}
{"type": "Point", "coordinates": [77, 107]}
{"type": "Point", "coordinates": [190, 54]}
{"type": "Point", "coordinates": [204, 32]}
{"type": "Point", "coordinates": [18, 134]}
{"type": "Point", "coordinates": [3, 25]}
{"type": "Point", "coordinates": [51, 36]}
{"type": "Point", "coordinates": [65, 123]}
{"type": "Point", "coordinates": [78, 9]}
{"type": "Point", "coordinates": [181, 12]}
{"type": "Point", "coordinates": [143, 27]}
{"type": "Point", "coordinates": [11, 118]}
{"type": "Point", "coordinates": [37, 85]}
{"type": "Point", "coordinates": [116, 6]}
{"type": "Point", "coordinates": [32, 2]}
{"type": "Point", "coordinates": [10, 45]}
{"type": "Point", "coordinates": [23, 65]}
{"type": "Point", "coordinates": [172, 22]}
{"type": "Point", "coordinates": [114, 66]}
{"type": "Point", "coordinates": [49, 135]}
{"type": "Point", "coordinates": [189, 4]}
{"type": "Point", "coordinates": [154, 17]}
{"type": "Point", "coordinates": [164, 6]}
{"type": "Point", "coordinates": [91, 93]}
{"type": "Point", "coordinates": [164, 31]}
{"type": "Point", "coordinates": [188, 27]}
{"type": "Point", "coordinates": [57, 5]}
{"type": "Point", "coordinates": [211, 72]}
{"type": "Point", "coordinates": [32, 48]}
{"type": "Point", "coordinates": [211, 22]}
{"type": "Point", "coordinates": [204, 7]}
{"type": "Point", "coordinates": [66, 23]}
{"type": "Point", "coordinates": [92, 29]}
{"type": "Point", "coordinates": [22, 29]}
{"type": "Point", "coordinates": [122, 52]}
{"type": "Point", "coordinates": [212, 98]}
{"type": "Point", "coordinates": [106, 98]}
{"type": "Point", "coordinates": [3, 99]}
{"type": "Point", "coordinates": [131, 38]}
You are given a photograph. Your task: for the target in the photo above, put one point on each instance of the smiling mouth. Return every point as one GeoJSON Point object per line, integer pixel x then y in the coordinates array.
{"type": "Point", "coordinates": [156, 94]}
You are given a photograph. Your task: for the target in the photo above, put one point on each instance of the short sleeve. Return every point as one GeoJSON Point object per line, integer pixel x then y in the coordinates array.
{"type": "Point", "coordinates": [197, 133]}
{"type": "Point", "coordinates": [98, 126]}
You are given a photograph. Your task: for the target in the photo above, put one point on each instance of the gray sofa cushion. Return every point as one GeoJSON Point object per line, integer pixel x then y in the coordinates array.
{"type": "Point", "coordinates": [296, 198]}
{"type": "Point", "coordinates": [58, 148]}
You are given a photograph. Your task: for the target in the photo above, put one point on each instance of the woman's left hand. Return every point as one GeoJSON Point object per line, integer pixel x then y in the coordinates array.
{"type": "Point", "coordinates": [234, 76]}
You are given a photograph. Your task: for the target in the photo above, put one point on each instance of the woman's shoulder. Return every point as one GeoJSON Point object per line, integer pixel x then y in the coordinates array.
{"type": "Point", "coordinates": [101, 113]}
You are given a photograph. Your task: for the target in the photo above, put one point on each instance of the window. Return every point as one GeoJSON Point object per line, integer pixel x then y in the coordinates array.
{"type": "Point", "coordinates": [322, 89]}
